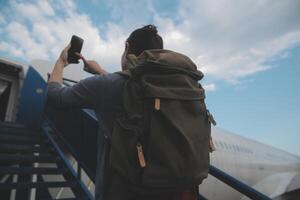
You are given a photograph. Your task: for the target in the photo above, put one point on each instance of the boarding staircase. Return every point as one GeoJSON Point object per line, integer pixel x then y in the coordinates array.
{"type": "Point", "coordinates": [25, 152]}
{"type": "Point", "coordinates": [24, 156]}
{"type": "Point", "coordinates": [45, 140]}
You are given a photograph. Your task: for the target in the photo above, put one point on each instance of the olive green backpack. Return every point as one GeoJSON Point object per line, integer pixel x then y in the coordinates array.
{"type": "Point", "coordinates": [161, 139]}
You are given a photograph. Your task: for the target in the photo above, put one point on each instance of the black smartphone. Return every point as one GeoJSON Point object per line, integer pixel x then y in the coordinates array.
{"type": "Point", "coordinates": [76, 46]}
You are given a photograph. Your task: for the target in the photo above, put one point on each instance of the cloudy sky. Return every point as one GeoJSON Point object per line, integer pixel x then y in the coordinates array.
{"type": "Point", "coordinates": [249, 50]}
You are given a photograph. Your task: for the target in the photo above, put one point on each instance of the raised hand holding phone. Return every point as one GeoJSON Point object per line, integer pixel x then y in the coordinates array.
{"type": "Point", "coordinates": [91, 66]}
{"type": "Point", "coordinates": [72, 54]}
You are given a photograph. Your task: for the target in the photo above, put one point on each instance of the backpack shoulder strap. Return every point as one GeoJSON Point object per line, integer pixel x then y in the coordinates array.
{"type": "Point", "coordinates": [125, 73]}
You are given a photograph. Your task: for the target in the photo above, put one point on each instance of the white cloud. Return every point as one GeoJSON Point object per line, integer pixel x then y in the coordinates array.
{"type": "Point", "coordinates": [45, 34]}
{"type": "Point", "coordinates": [210, 87]}
{"type": "Point", "coordinates": [228, 40]}
{"type": "Point", "coordinates": [45, 8]}
{"type": "Point", "coordinates": [2, 20]}
{"type": "Point", "coordinates": [23, 40]}
{"type": "Point", "coordinates": [231, 40]}
{"type": "Point", "coordinates": [11, 49]}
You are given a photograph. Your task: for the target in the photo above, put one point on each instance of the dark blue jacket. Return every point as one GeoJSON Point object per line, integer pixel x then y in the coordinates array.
{"type": "Point", "coordinates": [103, 94]}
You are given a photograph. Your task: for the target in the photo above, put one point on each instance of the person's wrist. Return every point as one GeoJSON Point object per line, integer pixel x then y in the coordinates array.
{"type": "Point", "coordinates": [100, 71]}
{"type": "Point", "coordinates": [103, 72]}
{"type": "Point", "coordinates": [62, 62]}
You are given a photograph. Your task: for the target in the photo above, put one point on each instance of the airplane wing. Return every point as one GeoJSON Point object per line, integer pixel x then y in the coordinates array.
{"type": "Point", "coordinates": [292, 190]}
{"type": "Point", "coordinates": [280, 186]}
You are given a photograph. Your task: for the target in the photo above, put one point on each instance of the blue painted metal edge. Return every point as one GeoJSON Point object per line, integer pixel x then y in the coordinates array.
{"type": "Point", "coordinates": [70, 148]}
{"type": "Point", "coordinates": [68, 164]}
{"type": "Point", "coordinates": [32, 98]}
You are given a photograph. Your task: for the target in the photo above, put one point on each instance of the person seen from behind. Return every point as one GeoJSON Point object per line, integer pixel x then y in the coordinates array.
{"type": "Point", "coordinates": [154, 123]}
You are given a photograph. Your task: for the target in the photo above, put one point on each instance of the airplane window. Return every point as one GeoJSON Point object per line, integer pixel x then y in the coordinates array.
{"type": "Point", "coordinates": [236, 148]}
{"type": "Point", "coordinates": [230, 147]}
{"type": "Point", "coordinates": [216, 143]}
{"type": "Point", "coordinates": [233, 147]}
{"type": "Point", "coordinates": [244, 150]}
{"type": "Point", "coordinates": [222, 145]}
{"type": "Point", "coordinates": [226, 146]}
{"type": "Point", "coordinates": [241, 149]}
{"type": "Point", "coordinates": [249, 151]}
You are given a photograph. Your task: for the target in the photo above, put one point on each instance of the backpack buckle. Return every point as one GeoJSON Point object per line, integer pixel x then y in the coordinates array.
{"type": "Point", "coordinates": [211, 145]}
{"type": "Point", "coordinates": [211, 118]}
{"type": "Point", "coordinates": [141, 156]}
{"type": "Point", "coordinates": [157, 104]}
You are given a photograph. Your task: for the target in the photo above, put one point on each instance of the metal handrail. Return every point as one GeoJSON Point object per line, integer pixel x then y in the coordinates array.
{"type": "Point", "coordinates": [82, 129]}
{"type": "Point", "coordinates": [64, 159]}
{"type": "Point", "coordinates": [64, 80]}
{"type": "Point", "coordinates": [237, 184]}
{"type": "Point", "coordinates": [70, 80]}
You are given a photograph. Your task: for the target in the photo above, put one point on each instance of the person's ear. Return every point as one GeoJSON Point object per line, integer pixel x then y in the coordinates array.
{"type": "Point", "coordinates": [126, 48]}
{"type": "Point", "coordinates": [124, 56]}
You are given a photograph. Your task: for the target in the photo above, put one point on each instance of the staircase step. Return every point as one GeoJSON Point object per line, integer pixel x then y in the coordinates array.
{"type": "Point", "coordinates": [19, 145]}
{"type": "Point", "coordinates": [12, 125]}
{"type": "Point", "coordinates": [19, 132]}
{"type": "Point", "coordinates": [12, 131]}
{"type": "Point", "coordinates": [10, 139]}
{"type": "Point", "coordinates": [21, 137]}
{"type": "Point", "coordinates": [38, 185]}
{"type": "Point", "coordinates": [32, 170]}
{"type": "Point", "coordinates": [13, 148]}
{"type": "Point", "coordinates": [15, 159]}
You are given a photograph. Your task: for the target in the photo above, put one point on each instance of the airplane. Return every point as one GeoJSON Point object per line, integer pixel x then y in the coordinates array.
{"type": "Point", "coordinates": [263, 168]}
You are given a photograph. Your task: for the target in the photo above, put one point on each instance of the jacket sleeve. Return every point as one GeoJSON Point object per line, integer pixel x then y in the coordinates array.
{"type": "Point", "coordinates": [83, 94]}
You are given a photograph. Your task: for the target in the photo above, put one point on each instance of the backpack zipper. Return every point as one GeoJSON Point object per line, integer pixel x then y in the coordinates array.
{"type": "Point", "coordinates": [140, 154]}
{"type": "Point", "coordinates": [157, 104]}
